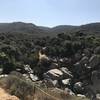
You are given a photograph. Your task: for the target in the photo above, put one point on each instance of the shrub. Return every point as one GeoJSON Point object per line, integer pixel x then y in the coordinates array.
{"type": "Point", "coordinates": [18, 86]}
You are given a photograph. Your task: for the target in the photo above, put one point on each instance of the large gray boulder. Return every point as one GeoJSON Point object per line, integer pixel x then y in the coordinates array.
{"type": "Point", "coordinates": [78, 69]}
{"type": "Point", "coordinates": [98, 96]}
{"type": "Point", "coordinates": [84, 60]}
{"type": "Point", "coordinates": [69, 91]}
{"type": "Point", "coordinates": [78, 88]}
{"type": "Point", "coordinates": [33, 77]}
{"type": "Point", "coordinates": [53, 65]}
{"type": "Point", "coordinates": [87, 52]}
{"type": "Point", "coordinates": [78, 56]}
{"type": "Point", "coordinates": [28, 69]}
{"type": "Point", "coordinates": [1, 71]}
{"type": "Point", "coordinates": [94, 61]}
{"type": "Point", "coordinates": [30, 73]}
{"type": "Point", "coordinates": [97, 50]}
{"type": "Point", "coordinates": [54, 74]}
{"type": "Point", "coordinates": [50, 83]}
{"type": "Point", "coordinates": [66, 81]}
{"type": "Point", "coordinates": [81, 65]}
{"type": "Point", "coordinates": [98, 75]}
{"type": "Point", "coordinates": [66, 73]}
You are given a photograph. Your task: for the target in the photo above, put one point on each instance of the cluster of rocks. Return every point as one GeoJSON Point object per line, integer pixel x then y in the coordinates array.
{"type": "Point", "coordinates": [73, 74]}
{"type": "Point", "coordinates": [29, 73]}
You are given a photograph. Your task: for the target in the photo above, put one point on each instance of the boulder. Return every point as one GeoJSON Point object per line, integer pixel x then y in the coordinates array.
{"type": "Point", "coordinates": [78, 88]}
{"type": "Point", "coordinates": [84, 60]}
{"type": "Point", "coordinates": [94, 61]}
{"type": "Point", "coordinates": [97, 50]}
{"type": "Point", "coordinates": [90, 93]}
{"type": "Point", "coordinates": [98, 75]}
{"type": "Point", "coordinates": [66, 73]}
{"type": "Point", "coordinates": [3, 75]}
{"type": "Point", "coordinates": [28, 69]}
{"type": "Point", "coordinates": [33, 77]}
{"type": "Point", "coordinates": [69, 91]}
{"type": "Point", "coordinates": [51, 83]}
{"type": "Point", "coordinates": [53, 65]}
{"type": "Point", "coordinates": [18, 69]}
{"type": "Point", "coordinates": [98, 96]}
{"type": "Point", "coordinates": [94, 76]}
{"type": "Point", "coordinates": [77, 56]}
{"type": "Point", "coordinates": [55, 83]}
{"type": "Point", "coordinates": [80, 95]}
{"type": "Point", "coordinates": [26, 76]}
{"type": "Point", "coordinates": [54, 74]}
{"type": "Point", "coordinates": [1, 70]}
{"type": "Point", "coordinates": [66, 81]}
{"type": "Point", "coordinates": [87, 52]}
{"type": "Point", "coordinates": [78, 68]}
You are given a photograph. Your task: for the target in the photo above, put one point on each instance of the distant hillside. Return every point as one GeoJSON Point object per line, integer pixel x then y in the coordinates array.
{"type": "Point", "coordinates": [92, 28]}
{"type": "Point", "coordinates": [63, 29]}
{"type": "Point", "coordinates": [38, 31]}
{"type": "Point", "coordinates": [58, 29]}
{"type": "Point", "coordinates": [20, 27]}
{"type": "Point", "coordinates": [47, 29]}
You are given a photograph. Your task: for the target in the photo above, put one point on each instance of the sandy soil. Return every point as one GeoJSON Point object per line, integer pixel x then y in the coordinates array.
{"type": "Point", "coordinates": [5, 96]}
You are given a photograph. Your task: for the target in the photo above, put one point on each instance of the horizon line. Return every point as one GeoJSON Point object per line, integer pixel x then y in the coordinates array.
{"type": "Point", "coordinates": [28, 22]}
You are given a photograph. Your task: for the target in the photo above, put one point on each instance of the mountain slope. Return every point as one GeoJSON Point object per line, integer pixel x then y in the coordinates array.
{"type": "Point", "coordinates": [20, 27]}
{"type": "Point", "coordinates": [40, 31]}
{"type": "Point", "coordinates": [92, 28]}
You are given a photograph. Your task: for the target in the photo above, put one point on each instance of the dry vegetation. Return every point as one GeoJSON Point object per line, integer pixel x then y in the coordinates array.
{"type": "Point", "coordinates": [27, 91]}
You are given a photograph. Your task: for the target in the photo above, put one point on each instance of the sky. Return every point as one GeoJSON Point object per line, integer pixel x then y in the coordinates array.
{"type": "Point", "coordinates": [50, 12]}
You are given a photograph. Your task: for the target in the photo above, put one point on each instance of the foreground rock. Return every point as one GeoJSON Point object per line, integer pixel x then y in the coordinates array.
{"type": "Point", "coordinates": [53, 74]}
{"type": "Point", "coordinates": [30, 73]}
{"type": "Point", "coordinates": [94, 61]}
{"type": "Point", "coordinates": [58, 73]}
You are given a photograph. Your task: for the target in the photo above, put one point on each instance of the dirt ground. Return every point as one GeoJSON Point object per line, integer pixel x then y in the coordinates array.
{"type": "Point", "coordinates": [5, 96]}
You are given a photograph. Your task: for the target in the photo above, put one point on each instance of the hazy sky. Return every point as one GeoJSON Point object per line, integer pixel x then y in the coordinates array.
{"type": "Point", "coordinates": [50, 12]}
